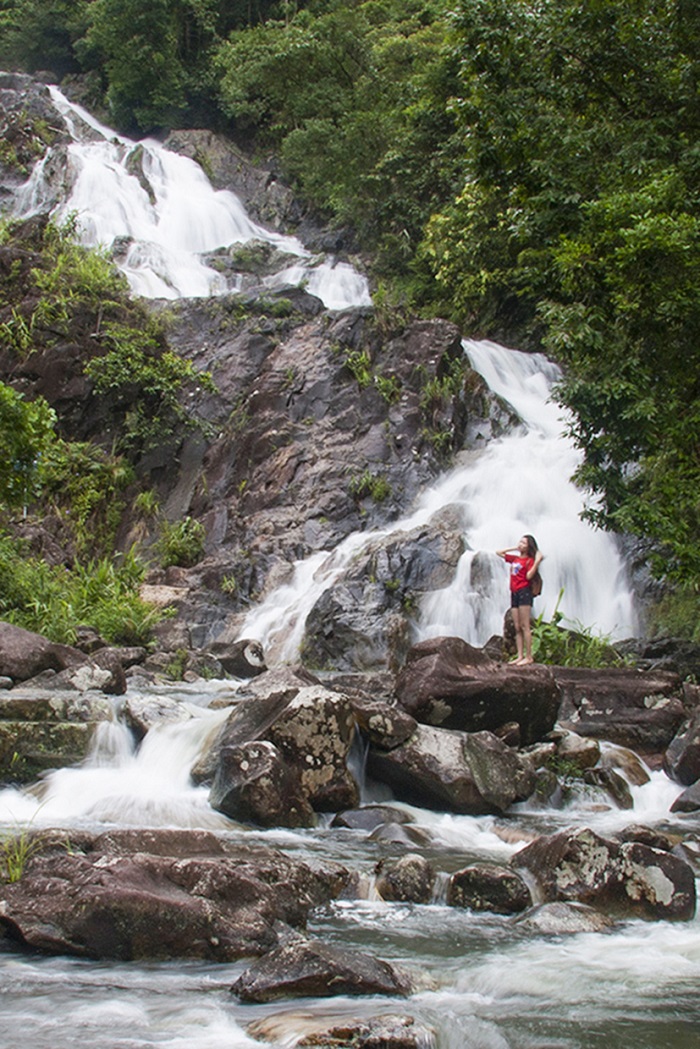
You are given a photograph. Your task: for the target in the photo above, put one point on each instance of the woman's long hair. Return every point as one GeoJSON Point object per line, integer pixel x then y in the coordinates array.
{"type": "Point", "coordinates": [531, 545]}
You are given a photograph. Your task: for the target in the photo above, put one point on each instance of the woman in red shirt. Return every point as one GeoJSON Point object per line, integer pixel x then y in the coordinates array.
{"type": "Point", "coordinates": [523, 566]}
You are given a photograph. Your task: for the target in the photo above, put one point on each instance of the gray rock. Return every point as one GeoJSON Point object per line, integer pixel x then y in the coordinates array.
{"type": "Point", "coordinates": [253, 784]}
{"type": "Point", "coordinates": [682, 758]}
{"type": "Point", "coordinates": [310, 968]}
{"type": "Point", "coordinates": [557, 919]}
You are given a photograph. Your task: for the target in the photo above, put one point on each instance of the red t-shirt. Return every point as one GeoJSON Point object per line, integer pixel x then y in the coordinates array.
{"type": "Point", "coordinates": [519, 567]}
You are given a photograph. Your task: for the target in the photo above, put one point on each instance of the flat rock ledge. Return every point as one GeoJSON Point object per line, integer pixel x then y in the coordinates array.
{"type": "Point", "coordinates": [160, 895]}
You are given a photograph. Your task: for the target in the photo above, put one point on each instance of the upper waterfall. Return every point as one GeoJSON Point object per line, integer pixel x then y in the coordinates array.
{"type": "Point", "coordinates": [159, 213]}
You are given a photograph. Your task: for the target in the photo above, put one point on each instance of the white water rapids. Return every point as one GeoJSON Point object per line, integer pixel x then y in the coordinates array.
{"type": "Point", "coordinates": [492, 985]}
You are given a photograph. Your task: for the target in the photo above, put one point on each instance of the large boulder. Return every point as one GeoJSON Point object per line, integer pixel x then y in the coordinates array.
{"type": "Point", "coordinates": [167, 894]}
{"type": "Point", "coordinates": [302, 968]}
{"type": "Point", "coordinates": [255, 785]}
{"type": "Point", "coordinates": [24, 654]}
{"type": "Point", "coordinates": [639, 710]}
{"type": "Point", "coordinates": [449, 683]}
{"type": "Point", "coordinates": [472, 773]}
{"type": "Point", "coordinates": [624, 880]}
{"type": "Point", "coordinates": [311, 730]}
{"type": "Point", "coordinates": [488, 887]}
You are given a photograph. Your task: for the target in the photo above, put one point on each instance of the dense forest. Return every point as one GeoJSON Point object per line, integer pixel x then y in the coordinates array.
{"type": "Point", "coordinates": [527, 168]}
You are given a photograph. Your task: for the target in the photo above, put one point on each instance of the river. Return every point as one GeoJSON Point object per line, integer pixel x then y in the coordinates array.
{"type": "Point", "coordinates": [493, 985]}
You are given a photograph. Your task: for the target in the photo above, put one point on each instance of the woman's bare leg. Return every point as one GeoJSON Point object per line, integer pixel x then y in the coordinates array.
{"type": "Point", "coordinates": [519, 638]}
{"type": "Point", "coordinates": [526, 629]}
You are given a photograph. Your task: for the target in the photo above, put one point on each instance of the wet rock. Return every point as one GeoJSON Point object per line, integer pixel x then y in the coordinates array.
{"type": "Point", "coordinates": [689, 800]}
{"type": "Point", "coordinates": [488, 887]}
{"type": "Point", "coordinates": [614, 785]}
{"type": "Point", "coordinates": [449, 683]}
{"type": "Point", "coordinates": [253, 784]}
{"type": "Point", "coordinates": [578, 752]}
{"type": "Point", "coordinates": [409, 879]}
{"type": "Point", "coordinates": [383, 724]}
{"type": "Point", "coordinates": [379, 1032]}
{"type": "Point", "coordinates": [626, 762]}
{"type": "Point", "coordinates": [471, 773]}
{"type": "Point", "coordinates": [641, 711]}
{"type": "Point", "coordinates": [309, 968]}
{"type": "Point", "coordinates": [142, 711]}
{"type": "Point", "coordinates": [312, 730]}
{"type": "Point", "coordinates": [207, 899]}
{"type": "Point", "coordinates": [557, 919]}
{"type": "Point", "coordinates": [682, 758]}
{"type": "Point", "coordinates": [42, 730]}
{"type": "Point", "coordinates": [627, 880]}
{"type": "Point", "coordinates": [369, 817]}
{"type": "Point", "coordinates": [402, 834]}
{"type": "Point", "coordinates": [242, 659]}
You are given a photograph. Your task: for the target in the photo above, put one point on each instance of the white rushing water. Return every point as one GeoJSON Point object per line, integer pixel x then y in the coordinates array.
{"type": "Point", "coordinates": [164, 209]}
{"type": "Point", "coordinates": [518, 484]}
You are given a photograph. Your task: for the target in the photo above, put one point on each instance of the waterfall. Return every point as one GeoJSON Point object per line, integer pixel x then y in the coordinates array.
{"type": "Point", "coordinates": [159, 214]}
{"type": "Point", "coordinates": [519, 483]}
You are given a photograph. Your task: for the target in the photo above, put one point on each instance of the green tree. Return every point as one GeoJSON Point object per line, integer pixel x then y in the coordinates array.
{"type": "Point", "coordinates": [41, 34]}
{"type": "Point", "coordinates": [577, 226]}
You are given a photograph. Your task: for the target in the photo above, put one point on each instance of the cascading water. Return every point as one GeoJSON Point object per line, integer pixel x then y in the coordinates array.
{"type": "Point", "coordinates": [519, 483]}
{"type": "Point", "coordinates": [165, 213]}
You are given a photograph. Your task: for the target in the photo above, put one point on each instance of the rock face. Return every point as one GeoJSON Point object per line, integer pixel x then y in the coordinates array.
{"type": "Point", "coordinates": [449, 683]}
{"type": "Point", "coordinates": [167, 894]}
{"type": "Point", "coordinates": [624, 880]}
{"type": "Point", "coordinates": [682, 758]}
{"type": "Point", "coordinates": [23, 654]}
{"type": "Point", "coordinates": [42, 730]}
{"type": "Point", "coordinates": [642, 711]}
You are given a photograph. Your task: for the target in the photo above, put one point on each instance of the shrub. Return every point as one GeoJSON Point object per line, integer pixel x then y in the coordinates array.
{"type": "Point", "coordinates": [579, 647]}
{"type": "Point", "coordinates": [181, 543]}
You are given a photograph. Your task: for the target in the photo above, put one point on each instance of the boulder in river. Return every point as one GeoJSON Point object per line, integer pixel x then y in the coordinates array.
{"type": "Point", "coordinates": [472, 773]}
{"type": "Point", "coordinates": [624, 880]}
{"type": "Point", "coordinates": [642, 711]}
{"type": "Point", "coordinates": [161, 895]}
{"type": "Point", "coordinates": [301, 968]}
{"type": "Point", "coordinates": [449, 683]}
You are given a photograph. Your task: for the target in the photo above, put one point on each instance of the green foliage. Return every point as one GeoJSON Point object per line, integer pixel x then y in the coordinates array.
{"type": "Point", "coordinates": [16, 849]}
{"type": "Point", "coordinates": [85, 486]}
{"type": "Point", "coordinates": [147, 380]}
{"type": "Point", "coordinates": [578, 647]}
{"type": "Point", "coordinates": [369, 485]}
{"type": "Point", "coordinates": [676, 614]}
{"type": "Point", "coordinates": [41, 34]}
{"type": "Point", "coordinates": [54, 600]}
{"type": "Point", "coordinates": [26, 432]}
{"type": "Point", "coordinates": [181, 543]}
{"type": "Point", "coordinates": [578, 223]}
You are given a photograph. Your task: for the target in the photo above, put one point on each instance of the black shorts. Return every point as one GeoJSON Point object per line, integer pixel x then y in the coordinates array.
{"type": "Point", "coordinates": [521, 597]}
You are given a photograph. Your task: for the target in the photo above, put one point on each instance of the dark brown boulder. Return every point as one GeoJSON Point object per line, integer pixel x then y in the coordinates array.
{"type": "Point", "coordinates": [303, 968]}
{"type": "Point", "coordinates": [369, 817]}
{"type": "Point", "coordinates": [254, 785]}
{"type": "Point", "coordinates": [241, 659]}
{"type": "Point", "coordinates": [488, 887]}
{"type": "Point", "coordinates": [689, 800]}
{"type": "Point", "coordinates": [409, 879]}
{"type": "Point", "coordinates": [449, 683]}
{"type": "Point", "coordinates": [143, 895]}
{"type": "Point", "coordinates": [639, 710]}
{"type": "Point", "coordinates": [24, 654]}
